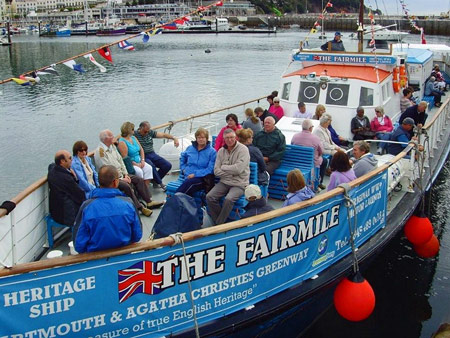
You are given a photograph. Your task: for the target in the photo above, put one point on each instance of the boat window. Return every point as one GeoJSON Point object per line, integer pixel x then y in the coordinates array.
{"type": "Point", "coordinates": [366, 97]}
{"type": "Point", "coordinates": [309, 92]}
{"type": "Point", "coordinates": [286, 91]}
{"type": "Point", "coordinates": [337, 94]}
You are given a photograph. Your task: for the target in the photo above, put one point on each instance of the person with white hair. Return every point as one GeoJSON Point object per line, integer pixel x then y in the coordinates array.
{"type": "Point", "coordinates": [440, 83]}
{"type": "Point", "coordinates": [430, 90]}
{"type": "Point", "coordinates": [272, 144]}
{"type": "Point", "coordinates": [322, 132]}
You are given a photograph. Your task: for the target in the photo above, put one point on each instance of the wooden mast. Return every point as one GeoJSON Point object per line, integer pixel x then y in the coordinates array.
{"type": "Point", "coordinates": [361, 26]}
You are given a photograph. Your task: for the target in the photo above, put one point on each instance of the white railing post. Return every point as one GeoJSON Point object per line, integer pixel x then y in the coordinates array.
{"type": "Point", "coordinates": [13, 238]}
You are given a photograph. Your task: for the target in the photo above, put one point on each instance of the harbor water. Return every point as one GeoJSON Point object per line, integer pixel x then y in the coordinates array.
{"type": "Point", "coordinates": [170, 77]}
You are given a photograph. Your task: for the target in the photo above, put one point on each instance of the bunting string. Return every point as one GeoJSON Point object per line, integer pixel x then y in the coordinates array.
{"type": "Point", "coordinates": [104, 50]}
{"type": "Point", "coordinates": [313, 30]}
{"type": "Point", "coordinates": [412, 22]}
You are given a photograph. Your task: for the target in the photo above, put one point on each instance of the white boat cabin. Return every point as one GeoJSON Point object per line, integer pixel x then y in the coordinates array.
{"type": "Point", "coordinates": [341, 82]}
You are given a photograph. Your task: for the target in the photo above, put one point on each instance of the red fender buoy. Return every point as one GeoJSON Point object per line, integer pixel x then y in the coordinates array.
{"type": "Point", "coordinates": [418, 230]}
{"type": "Point", "coordinates": [428, 249]}
{"type": "Point", "coordinates": [354, 298]}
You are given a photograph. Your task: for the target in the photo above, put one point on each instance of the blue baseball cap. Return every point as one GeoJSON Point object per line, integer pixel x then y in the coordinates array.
{"type": "Point", "coordinates": [337, 33]}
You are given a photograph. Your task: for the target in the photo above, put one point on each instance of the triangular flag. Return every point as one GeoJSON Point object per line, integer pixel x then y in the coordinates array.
{"type": "Point", "coordinates": [106, 53]}
{"type": "Point", "coordinates": [125, 45]}
{"type": "Point", "coordinates": [170, 26]}
{"type": "Point", "coordinates": [47, 71]}
{"type": "Point", "coordinates": [329, 4]}
{"type": "Point", "coordinates": [219, 3]}
{"type": "Point", "coordinates": [422, 36]}
{"type": "Point", "coordinates": [75, 66]}
{"type": "Point", "coordinates": [156, 31]}
{"type": "Point", "coordinates": [179, 21]}
{"type": "Point", "coordinates": [21, 82]}
{"type": "Point", "coordinates": [145, 37]}
{"type": "Point", "coordinates": [92, 59]}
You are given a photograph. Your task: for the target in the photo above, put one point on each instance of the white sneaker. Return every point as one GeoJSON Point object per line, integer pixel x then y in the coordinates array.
{"type": "Point", "coordinates": [379, 151]}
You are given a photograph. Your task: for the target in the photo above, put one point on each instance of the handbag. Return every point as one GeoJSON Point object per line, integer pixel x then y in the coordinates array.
{"type": "Point", "coordinates": [129, 165]}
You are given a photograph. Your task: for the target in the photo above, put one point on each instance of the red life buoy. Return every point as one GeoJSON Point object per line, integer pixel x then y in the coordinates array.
{"type": "Point", "coordinates": [395, 82]}
{"type": "Point", "coordinates": [403, 77]}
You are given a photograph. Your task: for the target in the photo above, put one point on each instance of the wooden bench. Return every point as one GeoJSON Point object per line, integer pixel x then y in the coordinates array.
{"type": "Point", "coordinates": [295, 157]}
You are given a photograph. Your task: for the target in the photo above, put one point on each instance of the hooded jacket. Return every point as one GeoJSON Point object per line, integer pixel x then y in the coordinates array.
{"type": "Point", "coordinates": [300, 195]}
{"type": "Point", "coordinates": [364, 164]}
{"type": "Point", "coordinates": [107, 220]}
{"type": "Point", "coordinates": [256, 207]}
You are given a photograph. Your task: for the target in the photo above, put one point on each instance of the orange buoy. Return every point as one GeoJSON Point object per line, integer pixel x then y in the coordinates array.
{"type": "Point", "coordinates": [395, 82]}
{"type": "Point", "coordinates": [418, 229]}
{"type": "Point", "coordinates": [428, 249]}
{"type": "Point", "coordinates": [354, 298]}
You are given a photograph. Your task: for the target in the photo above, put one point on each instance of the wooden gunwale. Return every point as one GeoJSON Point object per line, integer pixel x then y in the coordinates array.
{"type": "Point", "coordinates": [62, 261]}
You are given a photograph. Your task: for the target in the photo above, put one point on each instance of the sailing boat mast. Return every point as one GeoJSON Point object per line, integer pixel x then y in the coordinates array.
{"type": "Point", "coordinates": [361, 26]}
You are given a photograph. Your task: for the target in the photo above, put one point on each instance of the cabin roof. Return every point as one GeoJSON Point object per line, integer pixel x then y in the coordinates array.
{"type": "Point", "coordinates": [364, 73]}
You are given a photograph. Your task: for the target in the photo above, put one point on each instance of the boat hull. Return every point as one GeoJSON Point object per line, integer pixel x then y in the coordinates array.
{"type": "Point", "coordinates": [111, 32]}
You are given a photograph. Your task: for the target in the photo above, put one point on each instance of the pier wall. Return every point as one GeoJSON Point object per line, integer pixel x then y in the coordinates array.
{"type": "Point", "coordinates": [432, 26]}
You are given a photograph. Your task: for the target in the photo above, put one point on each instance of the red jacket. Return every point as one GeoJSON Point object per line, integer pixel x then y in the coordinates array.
{"type": "Point", "coordinates": [377, 127]}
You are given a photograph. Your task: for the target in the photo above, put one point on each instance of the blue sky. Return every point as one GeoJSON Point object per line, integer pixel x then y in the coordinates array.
{"type": "Point", "coordinates": [418, 7]}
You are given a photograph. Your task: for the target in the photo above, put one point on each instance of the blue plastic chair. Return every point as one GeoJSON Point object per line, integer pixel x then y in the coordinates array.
{"type": "Point", "coordinates": [50, 224]}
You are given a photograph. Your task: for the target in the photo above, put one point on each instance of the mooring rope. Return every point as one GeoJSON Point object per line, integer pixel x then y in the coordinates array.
{"type": "Point", "coordinates": [178, 239]}
{"type": "Point", "coordinates": [350, 204]}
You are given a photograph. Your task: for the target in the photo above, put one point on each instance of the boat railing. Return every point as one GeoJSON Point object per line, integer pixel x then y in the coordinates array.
{"type": "Point", "coordinates": [433, 130]}
{"type": "Point", "coordinates": [18, 243]}
{"type": "Point", "coordinates": [168, 241]}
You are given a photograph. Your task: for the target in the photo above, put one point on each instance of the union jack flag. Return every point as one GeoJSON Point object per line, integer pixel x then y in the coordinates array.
{"type": "Point", "coordinates": [125, 45]}
{"type": "Point", "coordinates": [139, 278]}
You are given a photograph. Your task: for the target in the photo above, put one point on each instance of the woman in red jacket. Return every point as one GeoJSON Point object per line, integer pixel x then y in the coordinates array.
{"type": "Point", "coordinates": [382, 126]}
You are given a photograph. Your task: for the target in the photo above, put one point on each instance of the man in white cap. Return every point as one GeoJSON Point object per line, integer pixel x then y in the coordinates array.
{"type": "Point", "coordinates": [334, 45]}
{"type": "Point", "coordinates": [257, 205]}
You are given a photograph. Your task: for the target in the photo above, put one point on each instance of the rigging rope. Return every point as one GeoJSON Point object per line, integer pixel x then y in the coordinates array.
{"type": "Point", "coordinates": [178, 238]}
{"type": "Point", "coordinates": [197, 11]}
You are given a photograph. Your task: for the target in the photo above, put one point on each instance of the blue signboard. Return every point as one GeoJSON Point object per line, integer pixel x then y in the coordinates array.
{"type": "Point", "coordinates": [346, 59]}
{"type": "Point", "coordinates": [147, 294]}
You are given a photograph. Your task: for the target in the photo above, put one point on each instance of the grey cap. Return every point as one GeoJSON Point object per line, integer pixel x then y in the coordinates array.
{"type": "Point", "coordinates": [409, 121]}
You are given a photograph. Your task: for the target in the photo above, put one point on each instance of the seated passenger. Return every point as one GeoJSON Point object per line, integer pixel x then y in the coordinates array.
{"type": "Point", "coordinates": [272, 144]}
{"type": "Point", "coordinates": [297, 188]}
{"type": "Point", "coordinates": [108, 220]}
{"type": "Point", "coordinates": [257, 205]}
{"type": "Point", "coordinates": [360, 126]}
{"type": "Point", "coordinates": [329, 147]}
{"type": "Point", "coordinates": [246, 137]}
{"type": "Point", "coordinates": [197, 165]}
{"type": "Point", "coordinates": [338, 139]}
{"type": "Point", "coordinates": [276, 109]}
{"type": "Point", "coordinates": [320, 110]}
{"type": "Point", "coordinates": [382, 126]}
{"type": "Point", "coordinates": [440, 83]}
{"type": "Point", "coordinates": [363, 160]}
{"type": "Point", "coordinates": [307, 139]}
{"type": "Point", "coordinates": [130, 147]}
{"type": "Point", "coordinates": [107, 154]}
{"type": "Point", "coordinates": [401, 134]}
{"type": "Point", "coordinates": [417, 113]}
{"type": "Point", "coordinates": [301, 111]}
{"type": "Point", "coordinates": [252, 122]}
{"type": "Point", "coordinates": [430, 90]}
{"type": "Point", "coordinates": [160, 165]}
{"type": "Point", "coordinates": [65, 196]}
{"type": "Point", "coordinates": [84, 168]}
{"type": "Point", "coordinates": [405, 101]}
{"type": "Point", "coordinates": [233, 124]}
{"type": "Point", "coordinates": [262, 114]}
{"type": "Point", "coordinates": [341, 170]}
{"type": "Point", "coordinates": [232, 167]}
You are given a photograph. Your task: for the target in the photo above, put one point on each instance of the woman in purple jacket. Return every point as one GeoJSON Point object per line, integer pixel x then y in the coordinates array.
{"type": "Point", "coordinates": [341, 170]}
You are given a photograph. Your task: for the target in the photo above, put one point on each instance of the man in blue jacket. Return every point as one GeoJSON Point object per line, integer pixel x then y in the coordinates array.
{"type": "Point", "coordinates": [108, 219]}
{"type": "Point", "coordinates": [401, 134]}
